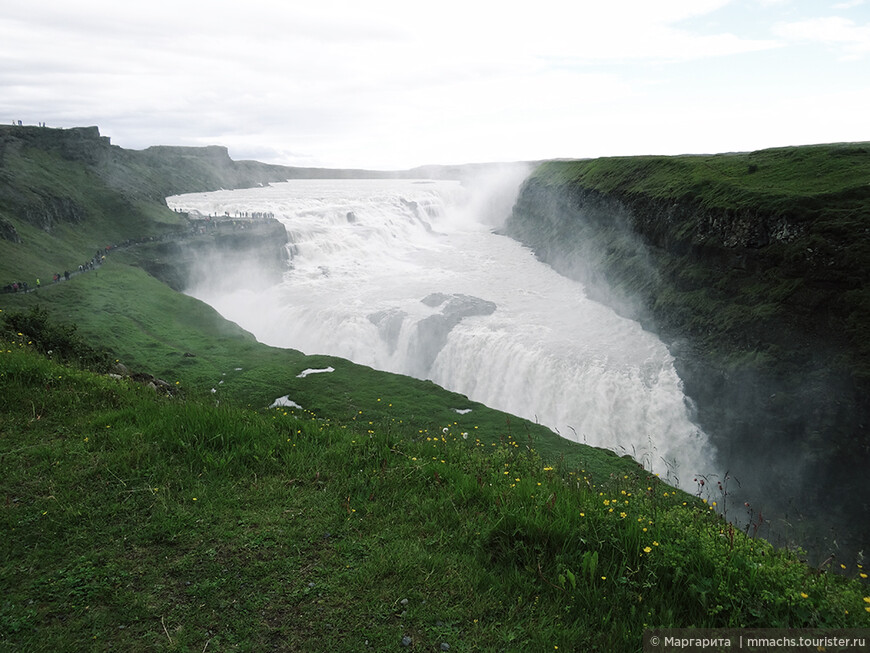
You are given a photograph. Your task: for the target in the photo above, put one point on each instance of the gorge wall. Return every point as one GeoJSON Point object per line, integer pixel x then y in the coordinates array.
{"type": "Point", "coordinates": [754, 269]}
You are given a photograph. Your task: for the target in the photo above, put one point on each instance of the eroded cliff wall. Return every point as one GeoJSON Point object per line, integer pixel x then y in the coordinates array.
{"type": "Point", "coordinates": [227, 253]}
{"type": "Point", "coordinates": [754, 269]}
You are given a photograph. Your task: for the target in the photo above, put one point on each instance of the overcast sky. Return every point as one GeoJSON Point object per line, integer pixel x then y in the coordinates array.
{"type": "Point", "coordinates": [395, 84]}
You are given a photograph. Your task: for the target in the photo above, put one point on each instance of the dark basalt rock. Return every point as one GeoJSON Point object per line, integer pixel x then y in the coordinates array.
{"type": "Point", "coordinates": [433, 331]}
{"type": "Point", "coordinates": [8, 231]}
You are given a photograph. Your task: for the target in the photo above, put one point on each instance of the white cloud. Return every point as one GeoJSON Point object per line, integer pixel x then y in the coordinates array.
{"type": "Point", "coordinates": [845, 36]}
{"type": "Point", "coordinates": [387, 83]}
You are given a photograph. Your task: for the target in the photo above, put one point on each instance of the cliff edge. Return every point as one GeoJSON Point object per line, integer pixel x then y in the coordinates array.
{"type": "Point", "coordinates": [755, 269]}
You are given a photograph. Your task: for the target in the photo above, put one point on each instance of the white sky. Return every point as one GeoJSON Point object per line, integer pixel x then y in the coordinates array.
{"type": "Point", "coordinates": [394, 84]}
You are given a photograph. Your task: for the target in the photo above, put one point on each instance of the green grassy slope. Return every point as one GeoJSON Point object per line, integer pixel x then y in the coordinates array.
{"type": "Point", "coordinates": [63, 211]}
{"type": "Point", "coordinates": [136, 522]}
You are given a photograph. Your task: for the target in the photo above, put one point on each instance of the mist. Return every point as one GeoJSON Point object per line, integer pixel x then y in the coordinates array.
{"type": "Point", "coordinates": [491, 192]}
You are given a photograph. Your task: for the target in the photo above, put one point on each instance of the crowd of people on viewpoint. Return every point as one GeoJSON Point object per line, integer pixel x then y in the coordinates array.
{"type": "Point", "coordinates": [92, 264]}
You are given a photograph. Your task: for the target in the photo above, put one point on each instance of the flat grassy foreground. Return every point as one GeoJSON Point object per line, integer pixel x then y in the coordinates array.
{"type": "Point", "coordinates": [135, 521]}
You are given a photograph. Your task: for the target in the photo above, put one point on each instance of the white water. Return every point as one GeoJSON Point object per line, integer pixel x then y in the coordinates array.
{"type": "Point", "coordinates": [546, 352]}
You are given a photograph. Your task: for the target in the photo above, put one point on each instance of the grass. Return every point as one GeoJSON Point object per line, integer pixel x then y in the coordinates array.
{"type": "Point", "coordinates": [137, 521]}
{"type": "Point", "coordinates": [203, 520]}
{"type": "Point", "coordinates": [761, 180]}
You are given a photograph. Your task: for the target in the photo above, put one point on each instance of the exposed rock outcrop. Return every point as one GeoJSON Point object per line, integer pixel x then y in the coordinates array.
{"type": "Point", "coordinates": [229, 253]}
{"type": "Point", "coordinates": [433, 331]}
{"type": "Point", "coordinates": [8, 231]}
{"type": "Point", "coordinates": [50, 210]}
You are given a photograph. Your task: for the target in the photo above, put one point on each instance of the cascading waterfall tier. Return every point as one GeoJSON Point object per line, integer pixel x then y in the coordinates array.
{"type": "Point", "coordinates": [409, 277]}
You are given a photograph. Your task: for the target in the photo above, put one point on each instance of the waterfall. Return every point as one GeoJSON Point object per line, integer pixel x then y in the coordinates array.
{"type": "Point", "coordinates": [408, 276]}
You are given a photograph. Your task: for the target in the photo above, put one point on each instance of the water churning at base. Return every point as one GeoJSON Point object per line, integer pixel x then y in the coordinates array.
{"type": "Point", "coordinates": [409, 277]}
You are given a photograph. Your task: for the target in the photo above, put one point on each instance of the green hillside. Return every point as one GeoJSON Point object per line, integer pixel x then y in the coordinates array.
{"type": "Point", "coordinates": [137, 521]}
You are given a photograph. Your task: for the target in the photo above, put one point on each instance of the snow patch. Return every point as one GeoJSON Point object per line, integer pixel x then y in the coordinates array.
{"type": "Point", "coordinates": [284, 401]}
{"type": "Point", "coordinates": [313, 371]}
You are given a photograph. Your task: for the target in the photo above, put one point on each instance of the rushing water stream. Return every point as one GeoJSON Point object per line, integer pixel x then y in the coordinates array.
{"type": "Point", "coordinates": [409, 277]}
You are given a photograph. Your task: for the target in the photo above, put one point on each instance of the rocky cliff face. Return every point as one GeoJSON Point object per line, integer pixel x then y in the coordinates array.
{"type": "Point", "coordinates": [76, 144]}
{"type": "Point", "coordinates": [161, 171]}
{"type": "Point", "coordinates": [229, 253]}
{"type": "Point", "coordinates": [766, 314]}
